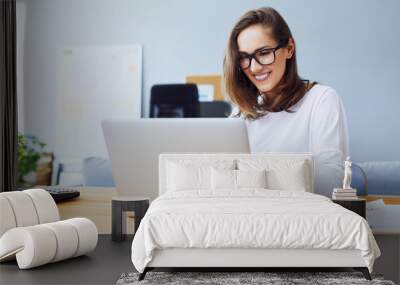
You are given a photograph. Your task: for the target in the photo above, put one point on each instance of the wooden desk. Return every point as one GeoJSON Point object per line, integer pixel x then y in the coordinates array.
{"type": "Point", "coordinates": [388, 200]}
{"type": "Point", "coordinates": [93, 203]}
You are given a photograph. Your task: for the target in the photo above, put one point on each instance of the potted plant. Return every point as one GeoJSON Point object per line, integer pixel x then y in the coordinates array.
{"type": "Point", "coordinates": [29, 153]}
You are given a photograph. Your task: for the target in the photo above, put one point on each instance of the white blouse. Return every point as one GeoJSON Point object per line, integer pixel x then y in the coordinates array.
{"type": "Point", "coordinates": [318, 125]}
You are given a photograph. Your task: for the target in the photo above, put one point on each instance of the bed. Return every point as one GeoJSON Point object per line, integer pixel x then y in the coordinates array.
{"type": "Point", "coordinates": [245, 211]}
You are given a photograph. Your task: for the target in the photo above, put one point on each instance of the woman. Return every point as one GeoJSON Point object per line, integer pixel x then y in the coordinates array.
{"type": "Point", "coordinates": [283, 113]}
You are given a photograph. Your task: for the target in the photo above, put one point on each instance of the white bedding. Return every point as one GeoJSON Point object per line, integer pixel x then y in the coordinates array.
{"type": "Point", "coordinates": [250, 218]}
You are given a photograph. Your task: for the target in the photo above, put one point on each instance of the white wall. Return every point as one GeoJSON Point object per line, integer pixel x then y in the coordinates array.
{"type": "Point", "coordinates": [349, 45]}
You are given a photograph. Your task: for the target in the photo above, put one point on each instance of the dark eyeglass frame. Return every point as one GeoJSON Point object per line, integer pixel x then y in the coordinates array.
{"type": "Point", "coordinates": [253, 55]}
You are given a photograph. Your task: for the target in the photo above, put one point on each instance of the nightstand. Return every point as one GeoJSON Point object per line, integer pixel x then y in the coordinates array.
{"type": "Point", "coordinates": [122, 204]}
{"type": "Point", "coordinates": [357, 205]}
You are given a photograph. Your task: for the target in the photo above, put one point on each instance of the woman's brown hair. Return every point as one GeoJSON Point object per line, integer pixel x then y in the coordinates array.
{"type": "Point", "coordinates": [241, 91]}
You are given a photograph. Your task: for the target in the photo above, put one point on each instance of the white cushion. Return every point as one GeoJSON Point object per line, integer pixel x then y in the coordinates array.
{"type": "Point", "coordinates": [223, 179]}
{"type": "Point", "coordinates": [282, 174]}
{"type": "Point", "coordinates": [182, 178]}
{"type": "Point", "coordinates": [7, 220]}
{"type": "Point", "coordinates": [26, 208]}
{"type": "Point", "coordinates": [87, 233]}
{"type": "Point", "coordinates": [40, 244]}
{"type": "Point", "coordinates": [67, 239]}
{"type": "Point", "coordinates": [192, 175]}
{"type": "Point", "coordinates": [23, 208]}
{"type": "Point", "coordinates": [251, 178]}
{"type": "Point", "coordinates": [45, 206]}
{"type": "Point", "coordinates": [255, 161]}
{"type": "Point", "coordinates": [288, 179]}
{"type": "Point", "coordinates": [34, 244]}
{"type": "Point", "coordinates": [226, 179]}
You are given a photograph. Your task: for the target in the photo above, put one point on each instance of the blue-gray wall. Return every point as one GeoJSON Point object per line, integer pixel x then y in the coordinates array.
{"type": "Point", "coordinates": [350, 45]}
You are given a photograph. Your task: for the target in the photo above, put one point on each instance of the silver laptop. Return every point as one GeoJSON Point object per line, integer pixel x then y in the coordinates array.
{"type": "Point", "coordinates": [134, 146]}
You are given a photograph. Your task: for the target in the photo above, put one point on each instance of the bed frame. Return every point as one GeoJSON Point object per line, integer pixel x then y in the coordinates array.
{"type": "Point", "coordinates": [248, 259]}
{"type": "Point", "coordinates": [237, 259]}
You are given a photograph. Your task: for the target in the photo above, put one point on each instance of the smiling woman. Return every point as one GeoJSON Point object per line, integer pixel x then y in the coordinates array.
{"type": "Point", "coordinates": [283, 112]}
{"type": "Point", "coordinates": [260, 68]}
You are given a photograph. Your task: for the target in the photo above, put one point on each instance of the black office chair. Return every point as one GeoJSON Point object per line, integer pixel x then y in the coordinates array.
{"type": "Point", "coordinates": [174, 101]}
{"type": "Point", "coordinates": [215, 109]}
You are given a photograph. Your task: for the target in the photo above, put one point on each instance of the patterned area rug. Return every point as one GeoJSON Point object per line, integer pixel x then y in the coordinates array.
{"type": "Point", "coordinates": [230, 278]}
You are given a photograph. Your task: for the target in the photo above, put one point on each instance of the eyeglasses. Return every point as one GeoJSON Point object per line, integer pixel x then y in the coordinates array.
{"type": "Point", "coordinates": [264, 56]}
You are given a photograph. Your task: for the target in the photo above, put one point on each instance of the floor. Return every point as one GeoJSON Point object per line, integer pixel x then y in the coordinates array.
{"type": "Point", "coordinates": [102, 266]}
{"type": "Point", "coordinates": [111, 259]}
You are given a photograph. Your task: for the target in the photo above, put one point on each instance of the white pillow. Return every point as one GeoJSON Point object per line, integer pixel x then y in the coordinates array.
{"type": "Point", "coordinates": [193, 174]}
{"type": "Point", "coordinates": [251, 178]}
{"type": "Point", "coordinates": [237, 179]}
{"type": "Point", "coordinates": [187, 177]}
{"type": "Point", "coordinates": [287, 179]}
{"type": "Point", "coordinates": [282, 174]}
{"type": "Point", "coordinates": [223, 179]}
